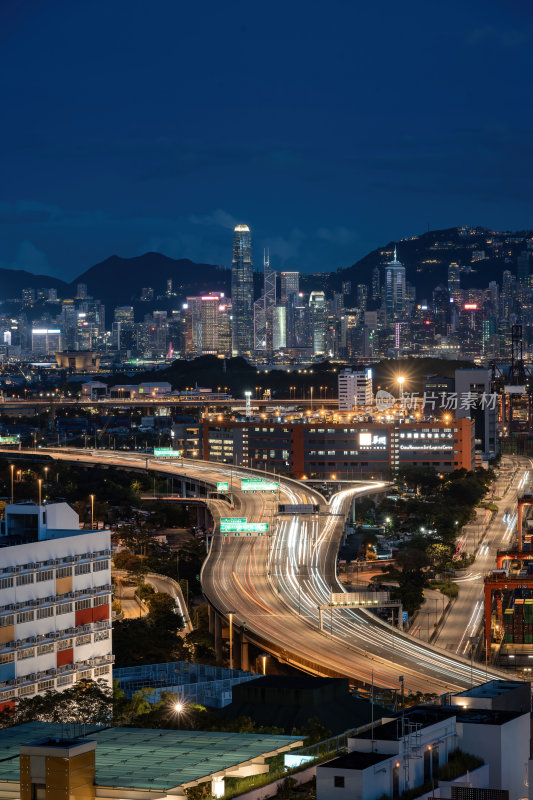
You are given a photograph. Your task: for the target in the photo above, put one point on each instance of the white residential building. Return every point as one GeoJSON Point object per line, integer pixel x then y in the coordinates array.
{"type": "Point", "coordinates": [355, 389]}
{"type": "Point", "coordinates": [55, 601]}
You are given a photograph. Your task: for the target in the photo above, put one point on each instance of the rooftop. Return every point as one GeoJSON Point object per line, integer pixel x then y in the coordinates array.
{"type": "Point", "coordinates": [491, 689]}
{"type": "Point", "coordinates": [423, 716]}
{"type": "Point", "coordinates": [150, 759]}
{"type": "Point", "coordinates": [356, 761]}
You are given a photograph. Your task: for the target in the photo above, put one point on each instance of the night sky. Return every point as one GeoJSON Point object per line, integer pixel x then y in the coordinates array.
{"type": "Point", "coordinates": [329, 127]}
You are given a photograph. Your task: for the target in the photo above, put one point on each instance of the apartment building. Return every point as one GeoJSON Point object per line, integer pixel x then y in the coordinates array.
{"type": "Point", "coordinates": [55, 596]}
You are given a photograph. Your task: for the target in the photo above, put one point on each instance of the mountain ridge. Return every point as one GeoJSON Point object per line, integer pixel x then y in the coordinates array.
{"type": "Point", "coordinates": [116, 280]}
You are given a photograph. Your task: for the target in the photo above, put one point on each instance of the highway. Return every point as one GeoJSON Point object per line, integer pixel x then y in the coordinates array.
{"type": "Point", "coordinates": [466, 615]}
{"type": "Point", "coordinates": [274, 585]}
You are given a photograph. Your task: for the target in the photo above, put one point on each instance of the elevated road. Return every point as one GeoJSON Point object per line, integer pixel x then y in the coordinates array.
{"type": "Point", "coordinates": [274, 584]}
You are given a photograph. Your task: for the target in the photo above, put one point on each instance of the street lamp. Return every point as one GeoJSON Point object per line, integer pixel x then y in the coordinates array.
{"type": "Point", "coordinates": [92, 511]}
{"type": "Point", "coordinates": [400, 380]}
{"type": "Point", "coordinates": [179, 708]}
{"type": "Point", "coordinates": [12, 467]}
{"type": "Point", "coordinates": [230, 616]}
{"type": "Point", "coordinates": [40, 482]}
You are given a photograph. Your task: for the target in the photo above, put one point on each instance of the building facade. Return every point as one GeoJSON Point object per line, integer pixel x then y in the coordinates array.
{"type": "Point", "coordinates": [242, 291]}
{"type": "Point", "coordinates": [55, 602]}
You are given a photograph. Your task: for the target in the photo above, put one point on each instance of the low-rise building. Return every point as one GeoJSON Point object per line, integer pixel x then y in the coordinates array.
{"type": "Point", "coordinates": [55, 595]}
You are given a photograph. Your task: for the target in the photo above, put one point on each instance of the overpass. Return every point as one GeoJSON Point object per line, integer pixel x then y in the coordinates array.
{"type": "Point", "coordinates": [272, 586]}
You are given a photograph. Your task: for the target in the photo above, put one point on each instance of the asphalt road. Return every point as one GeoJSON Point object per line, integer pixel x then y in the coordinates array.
{"type": "Point", "coordinates": [466, 615]}
{"type": "Point", "coordinates": [275, 584]}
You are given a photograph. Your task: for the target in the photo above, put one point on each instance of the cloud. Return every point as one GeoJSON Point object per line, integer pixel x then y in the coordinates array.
{"type": "Point", "coordinates": [341, 236]}
{"type": "Point", "coordinates": [30, 258]}
{"type": "Point", "coordinates": [217, 219]}
{"type": "Point", "coordinates": [288, 247]}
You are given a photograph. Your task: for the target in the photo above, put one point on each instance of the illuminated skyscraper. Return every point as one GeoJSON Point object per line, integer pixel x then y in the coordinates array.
{"type": "Point", "coordinates": [242, 291]}
{"type": "Point", "coordinates": [290, 285]}
{"type": "Point", "coordinates": [395, 290]}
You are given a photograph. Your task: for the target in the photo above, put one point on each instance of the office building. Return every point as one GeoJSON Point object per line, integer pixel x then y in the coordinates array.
{"type": "Point", "coordinates": [279, 328]}
{"type": "Point", "coordinates": [290, 285]}
{"type": "Point", "coordinates": [45, 341]}
{"type": "Point", "coordinates": [475, 401]}
{"type": "Point", "coordinates": [319, 322]}
{"type": "Point", "coordinates": [355, 389]}
{"type": "Point", "coordinates": [349, 450]}
{"type": "Point", "coordinates": [55, 595]}
{"type": "Point", "coordinates": [395, 290]}
{"type": "Point", "coordinates": [242, 291]}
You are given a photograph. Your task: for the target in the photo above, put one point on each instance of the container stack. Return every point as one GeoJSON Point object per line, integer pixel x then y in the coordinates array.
{"type": "Point", "coordinates": [508, 626]}
{"type": "Point", "coordinates": [528, 621]}
{"type": "Point", "coordinates": [518, 626]}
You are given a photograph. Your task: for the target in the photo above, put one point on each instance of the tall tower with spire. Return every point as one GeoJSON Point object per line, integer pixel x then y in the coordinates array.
{"type": "Point", "coordinates": [242, 291]}
{"type": "Point", "coordinates": [395, 289]}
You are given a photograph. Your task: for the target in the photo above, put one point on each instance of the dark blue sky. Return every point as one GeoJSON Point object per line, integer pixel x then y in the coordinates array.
{"type": "Point", "coordinates": [329, 127]}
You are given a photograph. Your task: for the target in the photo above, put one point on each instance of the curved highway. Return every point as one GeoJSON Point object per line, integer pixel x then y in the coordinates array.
{"type": "Point", "coordinates": [274, 584]}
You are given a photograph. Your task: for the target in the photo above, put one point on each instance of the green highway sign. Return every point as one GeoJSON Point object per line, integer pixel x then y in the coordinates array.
{"type": "Point", "coordinates": [240, 525]}
{"type": "Point", "coordinates": [222, 486]}
{"type": "Point", "coordinates": [166, 452]}
{"type": "Point", "coordinates": [9, 440]}
{"type": "Point", "coordinates": [258, 485]}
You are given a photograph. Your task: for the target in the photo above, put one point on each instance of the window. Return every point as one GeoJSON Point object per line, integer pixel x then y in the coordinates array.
{"type": "Point", "coordinates": [43, 613]}
{"type": "Point", "coordinates": [338, 781]}
{"type": "Point", "coordinates": [5, 658]}
{"type": "Point", "coordinates": [45, 648]}
{"type": "Point", "coordinates": [64, 644]}
{"type": "Point", "coordinates": [28, 653]}
{"type": "Point", "coordinates": [82, 569]}
{"type": "Point", "coordinates": [45, 575]}
{"type": "Point", "coordinates": [7, 619]}
{"type": "Point", "coordinates": [64, 572]}
{"type": "Point", "coordinates": [101, 670]}
{"type": "Point", "coordinates": [64, 608]}
{"type": "Point", "coordinates": [26, 690]}
{"type": "Point", "coordinates": [85, 675]}
{"type": "Point", "coordinates": [25, 616]}
{"type": "Point", "coordinates": [81, 604]}
{"type": "Point", "coordinates": [42, 685]}
{"type": "Point", "coordinates": [85, 639]}
{"type": "Point", "coordinates": [98, 566]}
{"type": "Point", "coordinates": [24, 580]}
{"type": "Point", "coordinates": [101, 635]}
{"type": "Point", "coordinates": [101, 601]}
{"type": "Point", "coordinates": [6, 583]}
{"type": "Point", "coordinates": [64, 679]}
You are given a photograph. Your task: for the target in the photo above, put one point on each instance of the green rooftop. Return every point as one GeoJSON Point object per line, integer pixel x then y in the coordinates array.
{"type": "Point", "coordinates": [145, 758]}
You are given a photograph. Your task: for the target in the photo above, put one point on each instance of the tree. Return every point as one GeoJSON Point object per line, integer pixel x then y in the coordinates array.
{"type": "Point", "coordinates": [88, 702]}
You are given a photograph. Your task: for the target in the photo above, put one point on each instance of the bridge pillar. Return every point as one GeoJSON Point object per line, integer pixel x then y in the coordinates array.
{"type": "Point", "coordinates": [237, 648]}
{"type": "Point", "coordinates": [218, 638]}
{"type": "Point", "coordinates": [245, 663]}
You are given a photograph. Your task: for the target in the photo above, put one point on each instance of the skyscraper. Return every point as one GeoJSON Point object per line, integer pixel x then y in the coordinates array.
{"type": "Point", "coordinates": [454, 282]}
{"type": "Point", "coordinates": [395, 290]}
{"type": "Point", "coordinates": [242, 291]}
{"type": "Point", "coordinates": [290, 285]}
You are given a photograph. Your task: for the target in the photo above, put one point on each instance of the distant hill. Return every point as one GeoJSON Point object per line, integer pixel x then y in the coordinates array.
{"type": "Point", "coordinates": [119, 281]}
{"type": "Point", "coordinates": [426, 258]}
{"type": "Point", "coordinates": [13, 281]}
{"type": "Point", "coordinates": [482, 254]}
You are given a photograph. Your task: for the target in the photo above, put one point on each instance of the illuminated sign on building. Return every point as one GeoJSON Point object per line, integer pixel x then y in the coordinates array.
{"type": "Point", "coordinates": [375, 441]}
{"type": "Point", "coordinates": [258, 485]}
{"type": "Point", "coordinates": [470, 306]}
